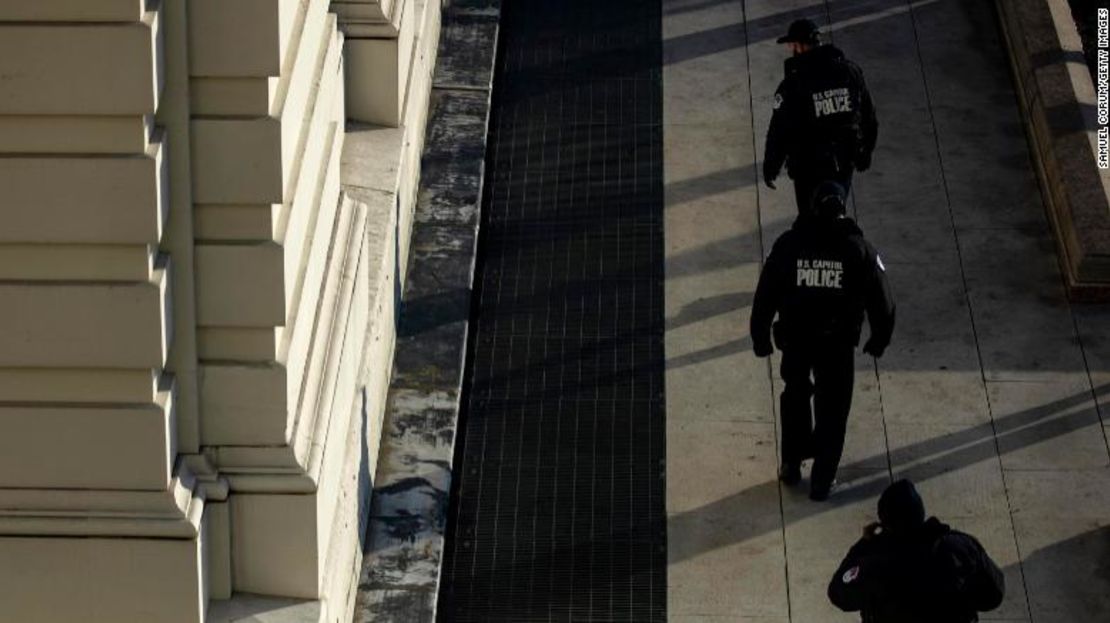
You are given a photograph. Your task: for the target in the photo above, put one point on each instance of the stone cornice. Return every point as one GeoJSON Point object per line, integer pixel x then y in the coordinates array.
{"type": "Point", "coordinates": [174, 513]}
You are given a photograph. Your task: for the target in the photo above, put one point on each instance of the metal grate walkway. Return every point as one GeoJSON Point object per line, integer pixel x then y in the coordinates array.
{"type": "Point", "coordinates": [558, 509]}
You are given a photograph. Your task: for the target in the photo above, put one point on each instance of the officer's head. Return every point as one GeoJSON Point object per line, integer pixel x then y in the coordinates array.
{"type": "Point", "coordinates": [828, 201]}
{"type": "Point", "coordinates": [802, 36]}
{"type": "Point", "coordinates": [900, 508]}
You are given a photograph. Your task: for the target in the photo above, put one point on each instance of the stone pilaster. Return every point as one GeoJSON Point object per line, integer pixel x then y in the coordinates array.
{"type": "Point", "coordinates": [93, 494]}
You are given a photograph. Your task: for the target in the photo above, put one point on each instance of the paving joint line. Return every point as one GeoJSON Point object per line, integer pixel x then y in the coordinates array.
{"type": "Point", "coordinates": [967, 296]}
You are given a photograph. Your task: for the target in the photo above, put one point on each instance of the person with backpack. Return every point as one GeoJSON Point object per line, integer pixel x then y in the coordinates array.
{"type": "Point", "coordinates": [909, 569]}
{"type": "Point", "coordinates": [824, 125]}
{"type": "Point", "coordinates": [819, 279]}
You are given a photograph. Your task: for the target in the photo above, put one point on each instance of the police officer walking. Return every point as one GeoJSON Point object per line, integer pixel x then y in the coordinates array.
{"type": "Point", "coordinates": [907, 569]}
{"type": "Point", "coordinates": [823, 126]}
{"type": "Point", "coordinates": [819, 278]}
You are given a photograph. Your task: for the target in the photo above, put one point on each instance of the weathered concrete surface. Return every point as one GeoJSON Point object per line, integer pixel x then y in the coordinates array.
{"type": "Point", "coordinates": [405, 538]}
{"type": "Point", "coordinates": [989, 396]}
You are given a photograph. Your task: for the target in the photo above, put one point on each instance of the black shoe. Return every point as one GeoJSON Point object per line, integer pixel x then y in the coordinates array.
{"type": "Point", "coordinates": [790, 475]}
{"type": "Point", "coordinates": [820, 493]}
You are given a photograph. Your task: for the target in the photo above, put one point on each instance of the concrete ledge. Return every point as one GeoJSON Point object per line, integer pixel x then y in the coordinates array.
{"type": "Point", "coordinates": [405, 539]}
{"type": "Point", "coordinates": [247, 608]}
{"type": "Point", "coordinates": [1058, 101]}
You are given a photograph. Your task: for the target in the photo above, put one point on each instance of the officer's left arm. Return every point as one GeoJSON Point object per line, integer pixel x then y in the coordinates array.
{"type": "Point", "coordinates": [878, 300]}
{"type": "Point", "coordinates": [778, 136]}
{"type": "Point", "coordinates": [988, 586]}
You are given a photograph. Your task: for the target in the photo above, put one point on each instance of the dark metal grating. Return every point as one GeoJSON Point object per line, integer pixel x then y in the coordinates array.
{"type": "Point", "coordinates": [558, 509]}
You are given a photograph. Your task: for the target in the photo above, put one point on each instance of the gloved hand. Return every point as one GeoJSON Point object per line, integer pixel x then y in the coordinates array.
{"type": "Point", "coordinates": [769, 176]}
{"type": "Point", "coordinates": [863, 161]}
{"type": "Point", "coordinates": [762, 349]}
{"type": "Point", "coordinates": [872, 530]}
{"type": "Point", "coordinates": [873, 348]}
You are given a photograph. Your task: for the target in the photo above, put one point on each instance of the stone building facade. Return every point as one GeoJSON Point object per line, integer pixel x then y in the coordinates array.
{"type": "Point", "coordinates": [203, 227]}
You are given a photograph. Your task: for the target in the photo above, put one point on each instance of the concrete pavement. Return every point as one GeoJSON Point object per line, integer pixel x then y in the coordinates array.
{"type": "Point", "coordinates": [989, 395]}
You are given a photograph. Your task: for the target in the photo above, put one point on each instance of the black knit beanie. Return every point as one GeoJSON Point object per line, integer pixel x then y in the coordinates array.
{"type": "Point", "coordinates": [900, 507]}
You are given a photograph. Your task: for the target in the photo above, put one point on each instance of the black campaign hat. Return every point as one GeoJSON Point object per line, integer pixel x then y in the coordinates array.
{"type": "Point", "coordinates": [801, 31]}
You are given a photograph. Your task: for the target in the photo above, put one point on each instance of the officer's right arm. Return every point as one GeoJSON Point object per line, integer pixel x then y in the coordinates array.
{"type": "Point", "coordinates": [778, 136]}
{"type": "Point", "coordinates": [768, 298]}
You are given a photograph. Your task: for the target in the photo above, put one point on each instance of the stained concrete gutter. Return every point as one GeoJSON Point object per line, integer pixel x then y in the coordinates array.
{"type": "Point", "coordinates": [1058, 104]}
{"type": "Point", "coordinates": [405, 540]}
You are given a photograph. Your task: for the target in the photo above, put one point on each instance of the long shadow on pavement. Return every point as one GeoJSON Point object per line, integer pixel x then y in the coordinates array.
{"type": "Point", "coordinates": [940, 455]}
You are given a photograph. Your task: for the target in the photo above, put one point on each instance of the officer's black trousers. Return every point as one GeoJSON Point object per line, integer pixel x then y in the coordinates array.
{"type": "Point", "coordinates": [825, 372]}
{"type": "Point", "coordinates": [806, 183]}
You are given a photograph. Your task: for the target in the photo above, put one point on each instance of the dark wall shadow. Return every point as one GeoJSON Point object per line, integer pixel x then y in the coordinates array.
{"type": "Point", "coordinates": [725, 349]}
{"type": "Point", "coordinates": [716, 183]}
{"type": "Point", "coordinates": [709, 307]}
{"type": "Point", "coordinates": [1069, 580]}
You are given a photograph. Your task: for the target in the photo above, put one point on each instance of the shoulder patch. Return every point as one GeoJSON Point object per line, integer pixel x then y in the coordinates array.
{"type": "Point", "coordinates": [850, 575]}
{"type": "Point", "coordinates": [778, 101]}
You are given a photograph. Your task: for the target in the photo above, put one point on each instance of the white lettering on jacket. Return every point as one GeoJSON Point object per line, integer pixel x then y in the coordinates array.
{"type": "Point", "coordinates": [820, 274]}
{"type": "Point", "coordinates": [831, 102]}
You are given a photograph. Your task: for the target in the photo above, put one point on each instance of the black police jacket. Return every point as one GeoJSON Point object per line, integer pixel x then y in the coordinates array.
{"type": "Point", "coordinates": [935, 575]}
{"type": "Point", "coordinates": [823, 116]}
{"type": "Point", "coordinates": [819, 279]}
